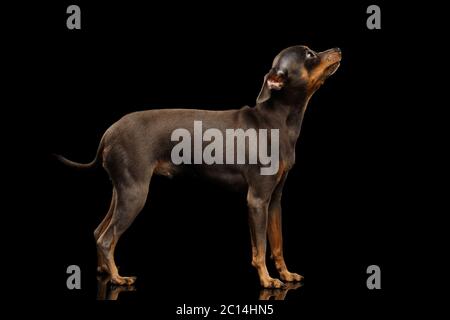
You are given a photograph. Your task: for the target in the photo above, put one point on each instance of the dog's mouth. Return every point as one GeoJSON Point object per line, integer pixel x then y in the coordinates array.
{"type": "Point", "coordinates": [331, 69]}
{"type": "Point", "coordinates": [332, 59]}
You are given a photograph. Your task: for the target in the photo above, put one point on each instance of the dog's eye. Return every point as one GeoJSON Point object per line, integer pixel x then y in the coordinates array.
{"type": "Point", "coordinates": [309, 54]}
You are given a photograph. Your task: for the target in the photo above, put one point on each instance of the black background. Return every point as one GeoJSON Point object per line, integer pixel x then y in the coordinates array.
{"type": "Point", "coordinates": [342, 209]}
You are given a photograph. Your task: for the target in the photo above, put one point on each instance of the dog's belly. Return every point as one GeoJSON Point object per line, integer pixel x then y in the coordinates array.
{"type": "Point", "coordinates": [227, 175]}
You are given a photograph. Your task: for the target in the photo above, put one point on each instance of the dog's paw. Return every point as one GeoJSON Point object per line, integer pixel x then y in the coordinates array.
{"type": "Point", "coordinates": [123, 281]}
{"type": "Point", "coordinates": [290, 276]}
{"type": "Point", "coordinates": [271, 283]}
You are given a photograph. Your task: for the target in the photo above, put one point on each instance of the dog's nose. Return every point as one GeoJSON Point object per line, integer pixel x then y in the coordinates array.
{"type": "Point", "coordinates": [338, 50]}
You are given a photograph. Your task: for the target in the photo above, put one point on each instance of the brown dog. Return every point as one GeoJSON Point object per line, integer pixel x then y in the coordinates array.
{"type": "Point", "coordinates": [140, 145]}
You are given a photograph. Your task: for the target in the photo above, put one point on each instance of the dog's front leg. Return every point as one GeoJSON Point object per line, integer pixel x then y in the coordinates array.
{"type": "Point", "coordinates": [276, 242]}
{"type": "Point", "coordinates": [274, 232]}
{"type": "Point", "coordinates": [258, 208]}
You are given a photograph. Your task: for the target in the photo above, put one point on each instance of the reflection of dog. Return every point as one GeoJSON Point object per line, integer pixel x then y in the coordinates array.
{"type": "Point", "coordinates": [139, 145]}
{"type": "Point", "coordinates": [108, 291]}
{"type": "Point", "coordinates": [279, 293]}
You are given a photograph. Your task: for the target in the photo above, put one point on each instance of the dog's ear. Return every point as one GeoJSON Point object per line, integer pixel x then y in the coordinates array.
{"type": "Point", "coordinates": [274, 80]}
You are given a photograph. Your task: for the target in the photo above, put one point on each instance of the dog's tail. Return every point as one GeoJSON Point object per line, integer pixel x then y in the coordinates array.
{"type": "Point", "coordinates": [78, 165]}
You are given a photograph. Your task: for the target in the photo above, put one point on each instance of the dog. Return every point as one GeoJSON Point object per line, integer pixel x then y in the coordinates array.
{"type": "Point", "coordinates": [139, 145]}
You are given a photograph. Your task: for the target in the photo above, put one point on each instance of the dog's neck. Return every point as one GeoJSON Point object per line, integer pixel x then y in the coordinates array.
{"type": "Point", "coordinates": [286, 109]}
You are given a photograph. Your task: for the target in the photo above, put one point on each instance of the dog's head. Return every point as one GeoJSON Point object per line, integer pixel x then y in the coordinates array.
{"type": "Point", "coordinates": [299, 69]}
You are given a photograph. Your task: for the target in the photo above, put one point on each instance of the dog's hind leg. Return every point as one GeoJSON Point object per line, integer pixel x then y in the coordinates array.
{"type": "Point", "coordinates": [131, 196]}
{"type": "Point", "coordinates": [101, 265]}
